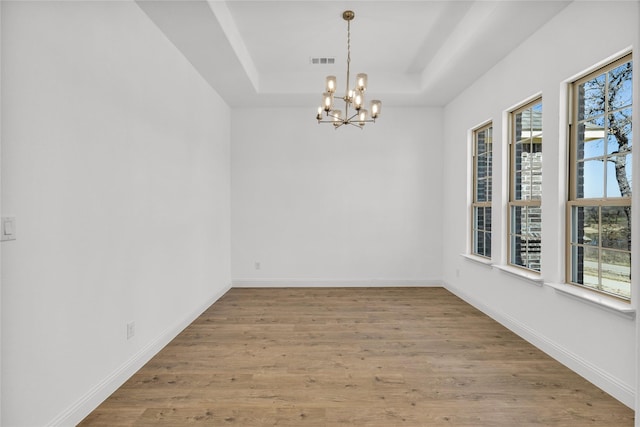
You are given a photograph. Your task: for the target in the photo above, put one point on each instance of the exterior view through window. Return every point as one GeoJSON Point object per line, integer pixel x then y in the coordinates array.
{"type": "Point", "coordinates": [481, 206]}
{"type": "Point", "coordinates": [525, 190]}
{"type": "Point", "coordinates": [599, 208]}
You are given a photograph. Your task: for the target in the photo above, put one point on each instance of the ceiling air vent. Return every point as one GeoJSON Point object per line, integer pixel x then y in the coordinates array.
{"type": "Point", "coordinates": [323, 60]}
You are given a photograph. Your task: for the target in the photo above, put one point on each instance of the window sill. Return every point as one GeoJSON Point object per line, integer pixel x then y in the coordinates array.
{"type": "Point", "coordinates": [521, 274]}
{"type": "Point", "coordinates": [478, 259]}
{"type": "Point", "coordinates": [602, 301]}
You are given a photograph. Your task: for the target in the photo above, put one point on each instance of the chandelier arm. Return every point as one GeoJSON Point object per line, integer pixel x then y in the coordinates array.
{"type": "Point", "coordinates": [352, 117]}
{"type": "Point", "coordinates": [347, 121]}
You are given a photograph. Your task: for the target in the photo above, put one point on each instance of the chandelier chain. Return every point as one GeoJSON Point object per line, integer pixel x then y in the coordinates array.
{"type": "Point", "coordinates": [348, 55]}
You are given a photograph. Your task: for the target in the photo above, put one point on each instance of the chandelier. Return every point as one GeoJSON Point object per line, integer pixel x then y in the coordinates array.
{"type": "Point", "coordinates": [354, 114]}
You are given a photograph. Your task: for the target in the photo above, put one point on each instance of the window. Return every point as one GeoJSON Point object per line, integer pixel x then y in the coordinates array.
{"type": "Point", "coordinates": [525, 189]}
{"type": "Point", "coordinates": [599, 208]}
{"type": "Point", "coordinates": [481, 205]}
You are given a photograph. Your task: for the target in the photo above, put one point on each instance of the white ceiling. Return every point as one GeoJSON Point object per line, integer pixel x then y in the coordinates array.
{"type": "Point", "coordinates": [418, 52]}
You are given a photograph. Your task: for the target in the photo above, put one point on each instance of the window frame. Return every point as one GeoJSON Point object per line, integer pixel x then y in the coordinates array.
{"type": "Point", "coordinates": [512, 202]}
{"type": "Point", "coordinates": [488, 127]}
{"type": "Point", "coordinates": [605, 201]}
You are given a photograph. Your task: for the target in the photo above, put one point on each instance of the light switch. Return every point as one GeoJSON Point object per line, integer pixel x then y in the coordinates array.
{"type": "Point", "coordinates": [8, 228]}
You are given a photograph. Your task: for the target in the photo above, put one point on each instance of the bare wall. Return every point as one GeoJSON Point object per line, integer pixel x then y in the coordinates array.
{"type": "Point", "coordinates": [116, 165]}
{"type": "Point", "coordinates": [318, 206]}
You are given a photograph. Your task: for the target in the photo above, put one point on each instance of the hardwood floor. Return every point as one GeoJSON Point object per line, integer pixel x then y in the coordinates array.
{"type": "Point", "coordinates": [353, 357]}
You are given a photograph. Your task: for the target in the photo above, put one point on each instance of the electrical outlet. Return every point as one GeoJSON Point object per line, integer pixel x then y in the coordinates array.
{"type": "Point", "coordinates": [131, 329]}
{"type": "Point", "coordinates": [8, 231]}
{"type": "Point", "coordinates": [257, 265]}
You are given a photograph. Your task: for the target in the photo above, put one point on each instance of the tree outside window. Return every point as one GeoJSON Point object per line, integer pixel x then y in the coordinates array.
{"type": "Point", "coordinates": [599, 250]}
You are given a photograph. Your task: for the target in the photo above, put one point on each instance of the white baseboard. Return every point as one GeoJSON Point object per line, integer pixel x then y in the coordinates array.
{"type": "Point", "coordinates": [94, 397]}
{"type": "Point", "coordinates": [617, 388]}
{"type": "Point", "coordinates": [332, 283]}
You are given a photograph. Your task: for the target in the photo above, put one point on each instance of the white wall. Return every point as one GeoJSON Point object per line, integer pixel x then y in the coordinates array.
{"type": "Point", "coordinates": [116, 165]}
{"type": "Point", "coordinates": [596, 342]}
{"type": "Point", "coordinates": [318, 206]}
{"type": "Point", "coordinates": [0, 212]}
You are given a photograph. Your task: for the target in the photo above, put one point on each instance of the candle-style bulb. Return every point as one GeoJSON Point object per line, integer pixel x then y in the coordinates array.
{"type": "Point", "coordinates": [358, 100]}
{"type": "Point", "coordinates": [376, 107]}
{"type": "Point", "coordinates": [331, 84]}
{"type": "Point", "coordinates": [327, 101]}
{"type": "Point", "coordinates": [361, 82]}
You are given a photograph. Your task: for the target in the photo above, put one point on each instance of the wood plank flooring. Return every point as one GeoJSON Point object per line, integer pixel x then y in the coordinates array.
{"type": "Point", "coordinates": [353, 357]}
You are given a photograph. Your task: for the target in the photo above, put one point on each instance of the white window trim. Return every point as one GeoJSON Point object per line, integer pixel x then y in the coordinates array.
{"type": "Point", "coordinates": [596, 299]}
{"type": "Point", "coordinates": [521, 273]}
{"type": "Point", "coordinates": [478, 259]}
